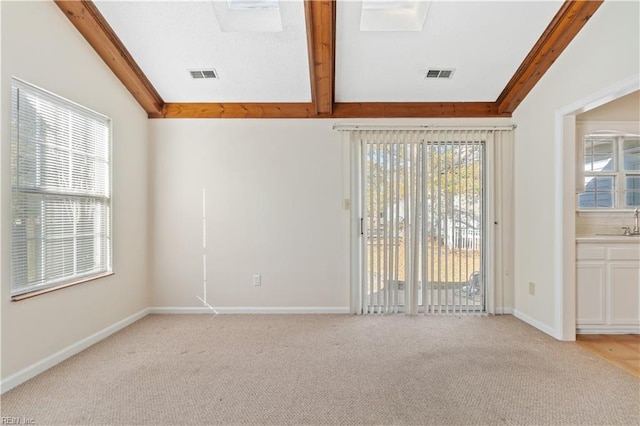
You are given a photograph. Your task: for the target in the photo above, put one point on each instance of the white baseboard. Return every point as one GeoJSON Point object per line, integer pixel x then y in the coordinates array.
{"type": "Point", "coordinates": [608, 329]}
{"type": "Point", "coordinates": [535, 323]}
{"type": "Point", "coordinates": [250, 310]}
{"type": "Point", "coordinates": [504, 311]}
{"type": "Point", "coordinates": [48, 362]}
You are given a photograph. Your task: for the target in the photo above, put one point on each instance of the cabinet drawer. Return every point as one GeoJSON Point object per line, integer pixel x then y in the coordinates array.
{"type": "Point", "coordinates": [624, 252]}
{"type": "Point", "coordinates": [591, 252]}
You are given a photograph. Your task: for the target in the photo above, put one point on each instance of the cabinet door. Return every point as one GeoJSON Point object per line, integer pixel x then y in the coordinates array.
{"type": "Point", "coordinates": [590, 293]}
{"type": "Point", "coordinates": [624, 293]}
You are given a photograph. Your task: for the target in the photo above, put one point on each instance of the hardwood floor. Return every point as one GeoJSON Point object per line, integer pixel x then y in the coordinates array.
{"type": "Point", "coordinates": [622, 350]}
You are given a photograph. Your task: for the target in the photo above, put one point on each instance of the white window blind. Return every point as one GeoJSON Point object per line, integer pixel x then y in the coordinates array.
{"type": "Point", "coordinates": [424, 210]}
{"type": "Point", "coordinates": [61, 191]}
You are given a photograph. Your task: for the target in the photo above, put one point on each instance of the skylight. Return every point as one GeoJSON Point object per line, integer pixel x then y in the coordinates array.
{"type": "Point", "coordinates": [252, 4]}
{"type": "Point", "coordinates": [393, 15]}
{"type": "Point", "coordinates": [248, 15]}
{"type": "Point", "coordinates": [388, 4]}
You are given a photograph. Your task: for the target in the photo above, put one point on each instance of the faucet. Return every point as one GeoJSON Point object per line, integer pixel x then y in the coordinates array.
{"type": "Point", "coordinates": [636, 231]}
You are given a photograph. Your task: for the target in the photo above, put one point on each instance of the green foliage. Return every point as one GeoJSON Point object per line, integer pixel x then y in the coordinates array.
{"type": "Point", "coordinates": [452, 174]}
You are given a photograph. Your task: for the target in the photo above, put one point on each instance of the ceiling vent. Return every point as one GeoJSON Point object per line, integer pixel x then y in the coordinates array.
{"type": "Point", "coordinates": [439, 73]}
{"type": "Point", "coordinates": [205, 74]}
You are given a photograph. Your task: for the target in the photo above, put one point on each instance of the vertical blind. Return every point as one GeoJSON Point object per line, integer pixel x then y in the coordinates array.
{"type": "Point", "coordinates": [61, 191]}
{"type": "Point", "coordinates": [423, 207]}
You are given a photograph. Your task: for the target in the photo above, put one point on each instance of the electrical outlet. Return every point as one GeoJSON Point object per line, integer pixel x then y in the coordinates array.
{"type": "Point", "coordinates": [257, 280]}
{"type": "Point", "coordinates": [532, 288]}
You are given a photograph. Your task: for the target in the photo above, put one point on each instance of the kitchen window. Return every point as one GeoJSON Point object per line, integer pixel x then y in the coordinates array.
{"type": "Point", "coordinates": [611, 172]}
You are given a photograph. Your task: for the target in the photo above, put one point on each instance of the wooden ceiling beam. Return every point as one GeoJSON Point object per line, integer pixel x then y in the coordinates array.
{"type": "Point", "coordinates": [566, 24]}
{"type": "Point", "coordinates": [239, 110]}
{"type": "Point", "coordinates": [86, 17]}
{"type": "Point", "coordinates": [340, 110]}
{"type": "Point", "coordinates": [321, 39]}
{"type": "Point", "coordinates": [416, 110]}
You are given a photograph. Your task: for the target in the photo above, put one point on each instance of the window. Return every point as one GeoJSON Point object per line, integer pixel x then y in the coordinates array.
{"type": "Point", "coordinates": [61, 191]}
{"type": "Point", "coordinates": [611, 172]}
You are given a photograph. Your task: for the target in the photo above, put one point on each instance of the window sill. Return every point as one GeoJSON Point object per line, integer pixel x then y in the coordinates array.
{"type": "Point", "coordinates": [35, 293]}
{"type": "Point", "coordinates": [605, 212]}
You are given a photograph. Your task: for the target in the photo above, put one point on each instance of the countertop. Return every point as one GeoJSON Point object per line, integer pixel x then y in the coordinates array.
{"type": "Point", "coordinates": [597, 239]}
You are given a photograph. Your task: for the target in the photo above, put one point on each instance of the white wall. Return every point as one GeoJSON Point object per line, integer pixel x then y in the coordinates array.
{"type": "Point", "coordinates": [605, 52]}
{"type": "Point", "coordinates": [41, 46]}
{"type": "Point", "coordinates": [626, 108]}
{"type": "Point", "coordinates": [274, 191]}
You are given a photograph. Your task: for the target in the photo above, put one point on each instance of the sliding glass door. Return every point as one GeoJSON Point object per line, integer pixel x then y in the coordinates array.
{"type": "Point", "coordinates": [423, 210]}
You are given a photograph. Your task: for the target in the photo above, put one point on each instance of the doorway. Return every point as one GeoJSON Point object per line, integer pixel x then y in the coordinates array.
{"type": "Point", "coordinates": [565, 185]}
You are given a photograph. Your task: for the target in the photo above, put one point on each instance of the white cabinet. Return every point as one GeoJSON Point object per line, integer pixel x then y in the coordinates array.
{"type": "Point", "coordinates": [591, 293]}
{"type": "Point", "coordinates": [623, 293]}
{"type": "Point", "coordinates": [608, 286]}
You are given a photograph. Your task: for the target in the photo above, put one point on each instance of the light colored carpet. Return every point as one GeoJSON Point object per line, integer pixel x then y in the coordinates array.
{"type": "Point", "coordinates": [329, 369]}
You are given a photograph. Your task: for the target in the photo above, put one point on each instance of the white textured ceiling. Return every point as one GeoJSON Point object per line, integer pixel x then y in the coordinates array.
{"type": "Point", "coordinates": [168, 38]}
{"type": "Point", "coordinates": [484, 41]}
